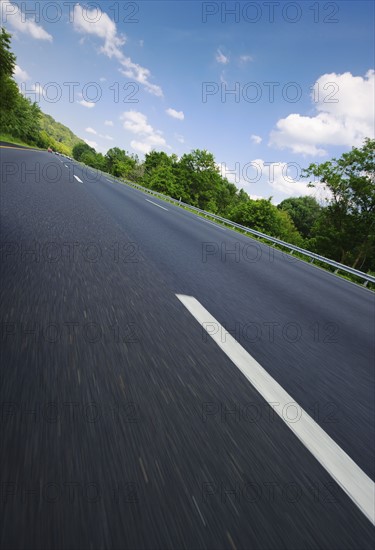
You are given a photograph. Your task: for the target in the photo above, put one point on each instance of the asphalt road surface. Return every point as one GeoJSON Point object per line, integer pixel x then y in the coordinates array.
{"type": "Point", "coordinates": [124, 424]}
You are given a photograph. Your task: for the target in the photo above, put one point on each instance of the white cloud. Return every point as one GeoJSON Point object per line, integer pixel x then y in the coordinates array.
{"type": "Point", "coordinates": [256, 197]}
{"type": "Point", "coordinates": [20, 75]}
{"type": "Point", "coordinates": [179, 138]}
{"type": "Point", "coordinates": [103, 27]}
{"type": "Point", "coordinates": [102, 79]}
{"type": "Point", "coordinates": [175, 114]}
{"type": "Point", "coordinates": [108, 122]}
{"type": "Point", "coordinates": [91, 143]}
{"type": "Point", "coordinates": [95, 133]}
{"type": "Point", "coordinates": [141, 43]}
{"type": "Point", "coordinates": [13, 15]}
{"type": "Point", "coordinates": [226, 172]}
{"type": "Point", "coordinates": [221, 58]}
{"type": "Point", "coordinates": [36, 93]}
{"type": "Point", "coordinates": [140, 146]}
{"type": "Point", "coordinates": [345, 116]}
{"type": "Point", "coordinates": [88, 104]}
{"type": "Point", "coordinates": [157, 140]}
{"type": "Point", "coordinates": [136, 122]}
{"type": "Point", "coordinates": [246, 58]}
{"type": "Point", "coordinates": [141, 75]}
{"type": "Point", "coordinates": [256, 139]}
{"type": "Point", "coordinates": [283, 177]}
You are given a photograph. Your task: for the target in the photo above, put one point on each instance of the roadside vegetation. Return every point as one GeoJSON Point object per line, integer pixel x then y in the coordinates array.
{"type": "Point", "coordinates": [342, 229]}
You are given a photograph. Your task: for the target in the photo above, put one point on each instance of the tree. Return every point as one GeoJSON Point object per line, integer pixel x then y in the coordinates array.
{"type": "Point", "coordinates": [345, 231]}
{"type": "Point", "coordinates": [7, 58]}
{"type": "Point", "coordinates": [80, 148]}
{"type": "Point", "coordinates": [8, 88]}
{"type": "Point", "coordinates": [263, 216]}
{"type": "Point", "coordinates": [162, 179]}
{"type": "Point", "coordinates": [200, 177]}
{"type": "Point", "coordinates": [304, 212]}
{"type": "Point", "coordinates": [119, 163]}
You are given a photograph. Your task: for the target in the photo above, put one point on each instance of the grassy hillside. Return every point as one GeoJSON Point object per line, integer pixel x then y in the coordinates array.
{"type": "Point", "coordinates": [58, 132]}
{"type": "Point", "coordinates": [56, 135]}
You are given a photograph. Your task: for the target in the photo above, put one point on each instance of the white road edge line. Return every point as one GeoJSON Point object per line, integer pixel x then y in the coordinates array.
{"type": "Point", "coordinates": [356, 484]}
{"type": "Point", "coordinates": [157, 205]}
{"type": "Point", "coordinates": [211, 223]}
{"type": "Point", "coordinates": [77, 178]}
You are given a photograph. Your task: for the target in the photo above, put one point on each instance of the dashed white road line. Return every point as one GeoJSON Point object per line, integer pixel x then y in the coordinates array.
{"type": "Point", "coordinates": [356, 484]}
{"type": "Point", "coordinates": [157, 204]}
{"type": "Point", "coordinates": [77, 178]}
{"type": "Point", "coordinates": [66, 166]}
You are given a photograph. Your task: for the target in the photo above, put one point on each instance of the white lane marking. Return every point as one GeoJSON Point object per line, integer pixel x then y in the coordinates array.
{"type": "Point", "coordinates": [357, 485]}
{"type": "Point", "coordinates": [77, 178]}
{"type": "Point", "coordinates": [109, 180]}
{"type": "Point", "coordinates": [211, 223]}
{"type": "Point", "coordinates": [157, 205]}
{"type": "Point", "coordinates": [66, 166]}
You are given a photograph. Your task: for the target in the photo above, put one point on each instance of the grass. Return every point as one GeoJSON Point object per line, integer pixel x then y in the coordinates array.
{"type": "Point", "coordinates": [16, 141]}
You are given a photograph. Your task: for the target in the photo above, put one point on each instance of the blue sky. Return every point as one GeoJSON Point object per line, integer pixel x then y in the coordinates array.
{"type": "Point", "coordinates": [302, 76]}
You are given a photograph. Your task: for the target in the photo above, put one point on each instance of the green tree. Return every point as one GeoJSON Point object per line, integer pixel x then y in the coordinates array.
{"type": "Point", "coordinates": [80, 148]}
{"type": "Point", "coordinates": [7, 58]}
{"type": "Point", "coordinates": [263, 216]}
{"type": "Point", "coordinates": [304, 211]}
{"type": "Point", "coordinates": [119, 162]}
{"type": "Point", "coordinates": [200, 177]}
{"type": "Point", "coordinates": [345, 230]}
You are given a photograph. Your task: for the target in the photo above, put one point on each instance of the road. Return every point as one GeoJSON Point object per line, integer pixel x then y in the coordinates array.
{"type": "Point", "coordinates": [123, 423]}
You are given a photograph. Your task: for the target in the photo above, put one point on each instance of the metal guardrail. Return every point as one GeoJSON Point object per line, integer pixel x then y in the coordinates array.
{"type": "Point", "coordinates": [338, 267]}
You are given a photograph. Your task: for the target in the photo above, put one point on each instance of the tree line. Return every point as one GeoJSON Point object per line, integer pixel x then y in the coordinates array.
{"type": "Point", "coordinates": [22, 119]}
{"type": "Point", "coordinates": [342, 229]}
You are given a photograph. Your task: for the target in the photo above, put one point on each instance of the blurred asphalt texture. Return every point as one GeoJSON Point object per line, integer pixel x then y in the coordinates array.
{"type": "Point", "coordinates": [117, 422]}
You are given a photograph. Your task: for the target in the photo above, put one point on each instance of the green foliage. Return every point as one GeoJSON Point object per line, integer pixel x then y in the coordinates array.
{"type": "Point", "coordinates": [23, 119]}
{"type": "Point", "coordinates": [119, 163]}
{"type": "Point", "coordinates": [7, 58]}
{"type": "Point", "coordinates": [263, 216]}
{"type": "Point", "coordinates": [81, 148]}
{"type": "Point", "coordinates": [304, 212]}
{"type": "Point", "coordinates": [62, 138]}
{"type": "Point", "coordinates": [345, 229]}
